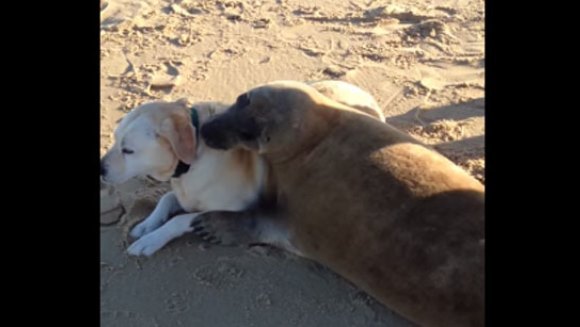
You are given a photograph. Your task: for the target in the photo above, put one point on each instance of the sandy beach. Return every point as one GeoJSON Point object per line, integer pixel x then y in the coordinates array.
{"type": "Point", "coordinates": [423, 61]}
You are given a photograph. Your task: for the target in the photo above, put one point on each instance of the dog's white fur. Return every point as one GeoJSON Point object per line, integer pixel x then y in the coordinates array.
{"type": "Point", "coordinates": [157, 135]}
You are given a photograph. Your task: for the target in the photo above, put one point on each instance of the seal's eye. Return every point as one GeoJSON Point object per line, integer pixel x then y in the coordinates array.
{"type": "Point", "coordinates": [248, 130]}
{"type": "Point", "coordinates": [127, 151]}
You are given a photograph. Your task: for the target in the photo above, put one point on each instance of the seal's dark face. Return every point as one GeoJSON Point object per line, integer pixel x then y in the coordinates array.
{"type": "Point", "coordinates": [265, 119]}
{"type": "Point", "coordinates": [237, 126]}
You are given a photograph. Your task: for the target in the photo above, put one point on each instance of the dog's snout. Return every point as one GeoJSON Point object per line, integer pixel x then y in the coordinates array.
{"type": "Point", "coordinates": [103, 169]}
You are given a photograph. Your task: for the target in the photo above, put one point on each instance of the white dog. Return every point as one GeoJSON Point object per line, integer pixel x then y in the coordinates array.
{"type": "Point", "coordinates": [160, 140]}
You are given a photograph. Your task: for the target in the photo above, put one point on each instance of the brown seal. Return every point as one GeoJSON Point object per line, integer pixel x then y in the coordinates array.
{"type": "Point", "coordinates": [370, 202]}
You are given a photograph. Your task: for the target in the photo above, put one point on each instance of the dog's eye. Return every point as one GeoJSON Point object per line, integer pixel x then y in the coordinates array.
{"type": "Point", "coordinates": [127, 151]}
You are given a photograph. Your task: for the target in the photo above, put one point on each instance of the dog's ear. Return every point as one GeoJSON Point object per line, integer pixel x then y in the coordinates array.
{"type": "Point", "coordinates": [183, 102]}
{"type": "Point", "coordinates": [180, 133]}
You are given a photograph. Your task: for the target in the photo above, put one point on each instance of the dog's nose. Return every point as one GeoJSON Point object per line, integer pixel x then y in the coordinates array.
{"type": "Point", "coordinates": [103, 169]}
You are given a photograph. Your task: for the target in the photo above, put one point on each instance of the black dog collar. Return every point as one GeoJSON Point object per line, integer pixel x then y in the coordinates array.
{"type": "Point", "coordinates": [182, 167]}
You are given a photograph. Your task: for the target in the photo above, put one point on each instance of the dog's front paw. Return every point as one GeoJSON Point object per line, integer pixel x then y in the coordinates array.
{"type": "Point", "coordinates": [148, 244]}
{"type": "Point", "coordinates": [143, 228]}
{"type": "Point", "coordinates": [217, 229]}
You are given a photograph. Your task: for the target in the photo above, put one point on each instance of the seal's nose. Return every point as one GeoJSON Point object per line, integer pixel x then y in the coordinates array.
{"type": "Point", "coordinates": [214, 136]}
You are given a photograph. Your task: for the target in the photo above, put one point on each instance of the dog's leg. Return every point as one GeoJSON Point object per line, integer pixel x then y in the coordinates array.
{"type": "Point", "coordinates": [152, 242]}
{"type": "Point", "coordinates": [167, 206]}
{"type": "Point", "coordinates": [244, 228]}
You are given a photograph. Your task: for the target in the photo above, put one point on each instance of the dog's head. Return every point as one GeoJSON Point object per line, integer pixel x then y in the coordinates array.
{"type": "Point", "coordinates": [274, 117]}
{"type": "Point", "coordinates": [150, 141]}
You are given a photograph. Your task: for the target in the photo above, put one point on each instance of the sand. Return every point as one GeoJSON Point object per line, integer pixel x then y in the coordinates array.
{"type": "Point", "coordinates": [422, 60]}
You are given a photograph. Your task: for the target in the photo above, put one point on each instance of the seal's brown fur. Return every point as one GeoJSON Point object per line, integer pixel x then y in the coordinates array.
{"type": "Point", "coordinates": [393, 216]}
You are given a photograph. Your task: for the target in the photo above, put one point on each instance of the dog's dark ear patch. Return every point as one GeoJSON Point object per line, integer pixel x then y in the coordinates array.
{"type": "Point", "coordinates": [243, 101]}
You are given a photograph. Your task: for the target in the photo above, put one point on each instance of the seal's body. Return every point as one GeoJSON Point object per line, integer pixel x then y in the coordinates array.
{"type": "Point", "coordinates": [386, 212]}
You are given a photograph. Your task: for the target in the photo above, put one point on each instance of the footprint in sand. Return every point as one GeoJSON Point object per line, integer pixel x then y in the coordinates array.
{"type": "Point", "coordinates": [111, 207]}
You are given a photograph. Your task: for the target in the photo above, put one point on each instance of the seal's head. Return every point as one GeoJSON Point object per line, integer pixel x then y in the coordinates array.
{"type": "Point", "coordinates": [272, 118]}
